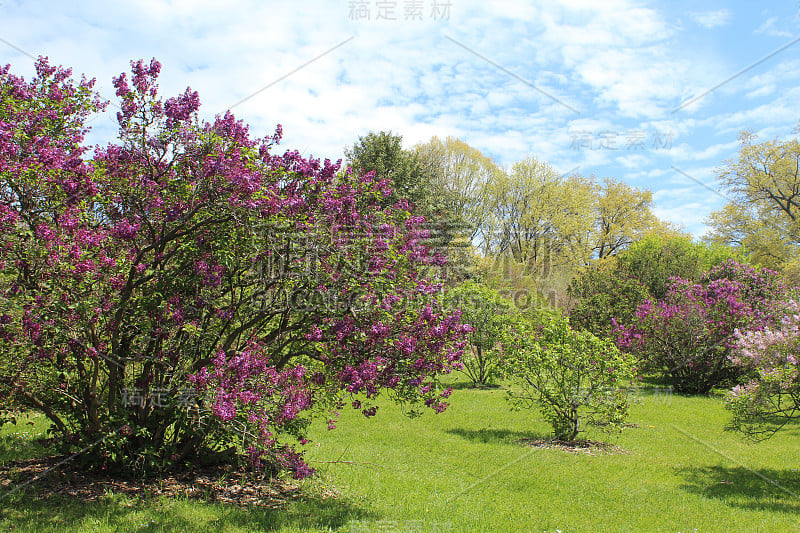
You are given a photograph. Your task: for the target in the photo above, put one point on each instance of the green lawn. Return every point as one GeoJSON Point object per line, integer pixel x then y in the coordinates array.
{"type": "Point", "coordinates": [462, 471]}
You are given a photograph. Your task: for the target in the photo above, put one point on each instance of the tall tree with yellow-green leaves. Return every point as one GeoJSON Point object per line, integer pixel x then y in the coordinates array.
{"type": "Point", "coordinates": [541, 215]}
{"type": "Point", "coordinates": [622, 216]}
{"type": "Point", "coordinates": [460, 176]}
{"type": "Point", "coordinates": [763, 215]}
{"type": "Point", "coordinates": [526, 221]}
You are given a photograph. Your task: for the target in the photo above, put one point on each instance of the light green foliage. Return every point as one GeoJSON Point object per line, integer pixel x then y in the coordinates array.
{"type": "Point", "coordinates": [654, 259]}
{"type": "Point", "coordinates": [766, 173]}
{"type": "Point", "coordinates": [459, 175]}
{"type": "Point", "coordinates": [575, 378]}
{"type": "Point", "coordinates": [623, 216]}
{"type": "Point", "coordinates": [541, 217]}
{"type": "Point", "coordinates": [456, 176]}
{"type": "Point", "coordinates": [487, 312]}
{"type": "Point", "coordinates": [763, 217]}
{"type": "Point", "coordinates": [758, 230]}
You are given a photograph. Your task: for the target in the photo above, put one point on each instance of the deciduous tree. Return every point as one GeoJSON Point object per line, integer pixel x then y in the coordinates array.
{"type": "Point", "coordinates": [763, 217]}
{"type": "Point", "coordinates": [542, 218]}
{"type": "Point", "coordinates": [623, 216]}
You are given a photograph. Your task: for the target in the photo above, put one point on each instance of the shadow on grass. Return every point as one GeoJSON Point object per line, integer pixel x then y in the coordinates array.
{"type": "Point", "coordinates": [13, 448]}
{"type": "Point", "coordinates": [496, 436]}
{"type": "Point", "coordinates": [119, 513]}
{"type": "Point", "coordinates": [468, 385]}
{"type": "Point", "coordinates": [757, 489]}
{"type": "Point", "coordinates": [772, 425]}
{"type": "Point", "coordinates": [32, 509]}
{"type": "Point", "coordinates": [655, 380]}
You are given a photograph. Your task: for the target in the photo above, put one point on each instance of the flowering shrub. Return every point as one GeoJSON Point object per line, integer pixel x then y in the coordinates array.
{"type": "Point", "coordinates": [614, 287]}
{"type": "Point", "coordinates": [689, 333]}
{"type": "Point", "coordinates": [186, 290]}
{"type": "Point", "coordinates": [772, 397]}
{"type": "Point", "coordinates": [575, 378]}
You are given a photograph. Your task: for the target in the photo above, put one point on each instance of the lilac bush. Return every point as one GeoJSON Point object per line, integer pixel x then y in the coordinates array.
{"type": "Point", "coordinates": [688, 335]}
{"type": "Point", "coordinates": [187, 293]}
{"type": "Point", "coordinates": [771, 398]}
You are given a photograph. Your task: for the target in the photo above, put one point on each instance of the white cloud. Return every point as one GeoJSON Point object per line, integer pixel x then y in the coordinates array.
{"type": "Point", "coordinates": [684, 152]}
{"type": "Point", "coordinates": [623, 64]}
{"type": "Point", "coordinates": [770, 27]}
{"type": "Point", "coordinates": [711, 19]}
{"type": "Point", "coordinates": [782, 110]}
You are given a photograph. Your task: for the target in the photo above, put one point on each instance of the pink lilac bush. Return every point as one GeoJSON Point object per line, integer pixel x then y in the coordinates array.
{"type": "Point", "coordinates": [771, 398]}
{"type": "Point", "coordinates": [197, 288]}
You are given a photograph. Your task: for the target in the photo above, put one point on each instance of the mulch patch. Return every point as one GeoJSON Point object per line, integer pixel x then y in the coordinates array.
{"type": "Point", "coordinates": [587, 447]}
{"type": "Point", "coordinates": [223, 484]}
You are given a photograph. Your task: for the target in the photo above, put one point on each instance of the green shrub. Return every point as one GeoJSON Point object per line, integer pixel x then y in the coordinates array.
{"type": "Point", "coordinates": [486, 311]}
{"type": "Point", "coordinates": [602, 293]}
{"type": "Point", "coordinates": [575, 378]}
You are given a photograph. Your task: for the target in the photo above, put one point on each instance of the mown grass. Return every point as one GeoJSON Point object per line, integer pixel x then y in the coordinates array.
{"type": "Point", "coordinates": [463, 470]}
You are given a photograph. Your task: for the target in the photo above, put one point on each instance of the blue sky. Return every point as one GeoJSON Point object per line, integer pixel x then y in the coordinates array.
{"type": "Point", "coordinates": [612, 88]}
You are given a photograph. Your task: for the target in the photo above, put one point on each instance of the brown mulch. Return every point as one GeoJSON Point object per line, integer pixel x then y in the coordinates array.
{"type": "Point", "coordinates": [213, 484]}
{"type": "Point", "coordinates": [587, 447]}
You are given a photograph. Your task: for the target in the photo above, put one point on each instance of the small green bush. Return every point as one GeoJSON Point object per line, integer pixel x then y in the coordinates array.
{"type": "Point", "coordinates": [575, 378]}
{"type": "Point", "coordinates": [486, 311]}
